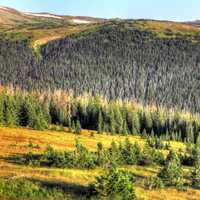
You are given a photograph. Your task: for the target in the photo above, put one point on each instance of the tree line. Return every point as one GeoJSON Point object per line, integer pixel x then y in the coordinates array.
{"type": "Point", "coordinates": [40, 109]}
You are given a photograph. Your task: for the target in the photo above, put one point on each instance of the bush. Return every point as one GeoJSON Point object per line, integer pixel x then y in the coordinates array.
{"type": "Point", "coordinates": [154, 183]}
{"type": "Point", "coordinates": [151, 156]}
{"type": "Point", "coordinates": [25, 189]}
{"type": "Point", "coordinates": [84, 158]}
{"type": "Point", "coordinates": [172, 174]}
{"type": "Point", "coordinates": [131, 153]}
{"type": "Point", "coordinates": [54, 158]}
{"type": "Point", "coordinates": [115, 184]}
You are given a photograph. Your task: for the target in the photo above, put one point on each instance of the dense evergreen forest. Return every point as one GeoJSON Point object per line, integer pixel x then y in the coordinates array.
{"type": "Point", "coordinates": [38, 110]}
{"type": "Point", "coordinates": [115, 60]}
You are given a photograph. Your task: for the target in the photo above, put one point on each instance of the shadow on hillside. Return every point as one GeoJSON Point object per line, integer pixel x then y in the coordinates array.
{"type": "Point", "coordinates": [76, 190]}
{"type": "Point", "coordinates": [14, 159]}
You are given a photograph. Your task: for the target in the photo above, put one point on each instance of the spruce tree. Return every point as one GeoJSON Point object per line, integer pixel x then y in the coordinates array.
{"type": "Point", "coordinates": [125, 128]}
{"type": "Point", "coordinates": [78, 128]}
{"type": "Point", "coordinates": [118, 120]}
{"type": "Point", "coordinates": [115, 184]}
{"type": "Point", "coordinates": [102, 158]}
{"type": "Point", "coordinates": [171, 173]}
{"type": "Point", "coordinates": [196, 170]}
{"type": "Point", "coordinates": [148, 123]}
{"type": "Point", "coordinates": [135, 125]}
{"type": "Point", "coordinates": [112, 122]}
{"type": "Point", "coordinates": [1, 109]}
{"type": "Point", "coordinates": [10, 114]}
{"type": "Point", "coordinates": [100, 122]}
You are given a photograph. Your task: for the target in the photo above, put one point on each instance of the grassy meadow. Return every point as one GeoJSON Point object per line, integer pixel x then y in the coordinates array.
{"type": "Point", "coordinates": [75, 181]}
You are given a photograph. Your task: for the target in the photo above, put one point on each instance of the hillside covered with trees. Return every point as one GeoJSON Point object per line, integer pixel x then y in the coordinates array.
{"type": "Point", "coordinates": [118, 59]}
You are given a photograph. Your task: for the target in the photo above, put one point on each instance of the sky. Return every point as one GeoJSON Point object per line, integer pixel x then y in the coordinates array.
{"type": "Point", "coordinates": [177, 10]}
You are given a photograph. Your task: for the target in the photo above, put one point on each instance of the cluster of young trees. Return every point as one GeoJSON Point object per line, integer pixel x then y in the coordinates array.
{"type": "Point", "coordinates": [118, 183]}
{"type": "Point", "coordinates": [116, 60]}
{"type": "Point", "coordinates": [172, 172]}
{"type": "Point", "coordinates": [39, 109]}
{"type": "Point", "coordinates": [125, 153]}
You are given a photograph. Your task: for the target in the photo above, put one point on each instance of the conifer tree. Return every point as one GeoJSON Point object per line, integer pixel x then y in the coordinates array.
{"type": "Point", "coordinates": [10, 114]}
{"type": "Point", "coordinates": [115, 154]}
{"type": "Point", "coordinates": [125, 128]}
{"type": "Point", "coordinates": [115, 184]}
{"type": "Point", "coordinates": [100, 122]}
{"type": "Point", "coordinates": [196, 170]}
{"type": "Point", "coordinates": [148, 123]}
{"type": "Point", "coordinates": [135, 125]}
{"type": "Point", "coordinates": [172, 173]}
{"type": "Point", "coordinates": [102, 158]}
{"type": "Point", "coordinates": [78, 128]}
{"type": "Point", "coordinates": [1, 109]}
{"type": "Point", "coordinates": [112, 123]}
{"type": "Point", "coordinates": [118, 120]}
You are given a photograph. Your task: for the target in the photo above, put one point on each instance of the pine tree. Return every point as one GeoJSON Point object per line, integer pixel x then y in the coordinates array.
{"type": "Point", "coordinates": [135, 125]}
{"type": "Point", "coordinates": [152, 134]}
{"type": "Point", "coordinates": [101, 155]}
{"type": "Point", "coordinates": [35, 117]}
{"type": "Point", "coordinates": [125, 128]}
{"type": "Point", "coordinates": [144, 134]}
{"type": "Point", "coordinates": [78, 128]}
{"type": "Point", "coordinates": [190, 132]}
{"type": "Point", "coordinates": [112, 122]}
{"type": "Point", "coordinates": [10, 113]}
{"type": "Point", "coordinates": [196, 170]}
{"type": "Point", "coordinates": [115, 184]}
{"type": "Point", "coordinates": [100, 122]}
{"type": "Point", "coordinates": [172, 173]}
{"type": "Point", "coordinates": [1, 109]}
{"type": "Point", "coordinates": [115, 154]}
{"type": "Point", "coordinates": [148, 123]}
{"type": "Point", "coordinates": [118, 120]}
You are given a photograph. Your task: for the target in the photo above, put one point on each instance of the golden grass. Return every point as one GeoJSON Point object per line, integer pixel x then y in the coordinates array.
{"type": "Point", "coordinates": [16, 140]}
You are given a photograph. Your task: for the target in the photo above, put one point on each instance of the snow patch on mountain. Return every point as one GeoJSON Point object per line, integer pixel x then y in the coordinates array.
{"type": "Point", "coordinates": [3, 8]}
{"type": "Point", "coordinates": [44, 15]}
{"type": "Point", "coordinates": [80, 21]}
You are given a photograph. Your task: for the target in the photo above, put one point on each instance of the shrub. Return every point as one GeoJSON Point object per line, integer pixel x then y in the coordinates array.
{"type": "Point", "coordinates": [154, 183]}
{"type": "Point", "coordinates": [84, 158]}
{"type": "Point", "coordinates": [131, 153]}
{"type": "Point", "coordinates": [172, 173]}
{"type": "Point", "coordinates": [25, 189]}
{"type": "Point", "coordinates": [115, 184]}
{"type": "Point", "coordinates": [54, 158]}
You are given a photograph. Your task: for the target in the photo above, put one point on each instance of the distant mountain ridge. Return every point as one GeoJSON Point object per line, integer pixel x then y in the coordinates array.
{"type": "Point", "coordinates": [194, 23]}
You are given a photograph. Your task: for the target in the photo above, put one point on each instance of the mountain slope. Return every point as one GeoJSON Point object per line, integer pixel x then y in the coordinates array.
{"type": "Point", "coordinates": [150, 61]}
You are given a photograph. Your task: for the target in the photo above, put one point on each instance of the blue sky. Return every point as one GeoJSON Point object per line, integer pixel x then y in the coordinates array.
{"type": "Point", "coordinates": [179, 10]}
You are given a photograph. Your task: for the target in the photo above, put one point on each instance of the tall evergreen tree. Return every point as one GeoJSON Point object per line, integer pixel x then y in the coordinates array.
{"type": "Point", "coordinates": [112, 122]}
{"type": "Point", "coordinates": [118, 120]}
{"type": "Point", "coordinates": [196, 170]}
{"type": "Point", "coordinates": [135, 124]}
{"type": "Point", "coordinates": [100, 122]}
{"type": "Point", "coordinates": [78, 128]}
{"type": "Point", "coordinates": [125, 128]}
{"type": "Point", "coordinates": [148, 123]}
{"type": "Point", "coordinates": [1, 109]}
{"type": "Point", "coordinates": [10, 114]}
